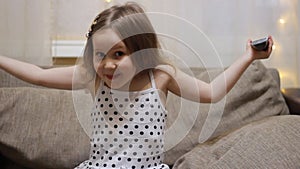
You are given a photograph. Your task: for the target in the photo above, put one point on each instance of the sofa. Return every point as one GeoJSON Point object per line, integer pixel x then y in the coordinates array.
{"type": "Point", "coordinates": [249, 128]}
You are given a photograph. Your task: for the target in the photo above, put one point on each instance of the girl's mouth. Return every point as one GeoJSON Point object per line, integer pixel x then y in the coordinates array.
{"type": "Point", "coordinates": [110, 77]}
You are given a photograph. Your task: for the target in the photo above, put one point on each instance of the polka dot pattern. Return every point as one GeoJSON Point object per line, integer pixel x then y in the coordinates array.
{"type": "Point", "coordinates": [128, 129]}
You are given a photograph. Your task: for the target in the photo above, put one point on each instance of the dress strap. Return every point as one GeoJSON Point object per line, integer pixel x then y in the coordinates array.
{"type": "Point", "coordinates": [152, 79]}
{"type": "Point", "coordinates": [101, 85]}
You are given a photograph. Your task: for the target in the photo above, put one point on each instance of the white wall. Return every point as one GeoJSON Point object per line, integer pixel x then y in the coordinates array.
{"type": "Point", "coordinates": [298, 48]}
{"type": "Point", "coordinates": [72, 18]}
{"type": "Point", "coordinates": [227, 23]}
{"type": "Point", "coordinates": [25, 30]}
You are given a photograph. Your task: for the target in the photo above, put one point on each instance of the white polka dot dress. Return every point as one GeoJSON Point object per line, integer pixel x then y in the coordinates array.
{"type": "Point", "coordinates": [128, 129]}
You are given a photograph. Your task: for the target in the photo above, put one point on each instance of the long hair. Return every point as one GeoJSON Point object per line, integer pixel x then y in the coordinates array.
{"type": "Point", "coordinates": [134, 28]}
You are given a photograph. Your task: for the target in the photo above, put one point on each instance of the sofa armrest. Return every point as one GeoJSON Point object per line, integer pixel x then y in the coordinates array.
{"type": "Point", "coordinates": [292, 99]}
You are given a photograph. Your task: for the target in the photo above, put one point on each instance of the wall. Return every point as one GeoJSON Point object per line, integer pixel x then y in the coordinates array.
{"type": "Point", "coordinates": [297, 48]}
{"type": "Point", "coordinates": [206, 33]}
{"type": "Point", "coordinates": [228, 24]}
{"type": "Point", "coordinates": [72, 18]}
{"type": "Point", "coordinates": [25, 30]}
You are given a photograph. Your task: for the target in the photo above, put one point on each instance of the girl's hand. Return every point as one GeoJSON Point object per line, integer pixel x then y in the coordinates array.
{"type": "Point", "coordinates": [254, 54]}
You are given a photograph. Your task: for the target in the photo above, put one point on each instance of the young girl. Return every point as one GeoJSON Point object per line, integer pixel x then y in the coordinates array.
{"type": "Point", "coordinates": [131, 80]}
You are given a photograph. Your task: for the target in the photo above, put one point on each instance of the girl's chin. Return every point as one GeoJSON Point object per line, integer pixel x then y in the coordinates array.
{"type": "Point", "coordinates": [117, 82]}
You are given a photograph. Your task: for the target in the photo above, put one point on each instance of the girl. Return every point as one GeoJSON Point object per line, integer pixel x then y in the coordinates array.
{"type": "Point", "coordinates": [123, 61]}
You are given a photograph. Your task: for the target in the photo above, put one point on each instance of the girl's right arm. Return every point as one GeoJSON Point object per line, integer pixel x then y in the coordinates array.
{"type": "Point", "coordinates": [61, 78]}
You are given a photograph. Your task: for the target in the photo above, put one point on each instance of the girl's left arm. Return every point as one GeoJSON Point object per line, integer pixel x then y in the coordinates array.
{"type": "Point", "coordinates": [196, 90]}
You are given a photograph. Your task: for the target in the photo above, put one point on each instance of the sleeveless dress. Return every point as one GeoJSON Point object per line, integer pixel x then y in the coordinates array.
{"type": "Point", "coordinates": [128, 129]}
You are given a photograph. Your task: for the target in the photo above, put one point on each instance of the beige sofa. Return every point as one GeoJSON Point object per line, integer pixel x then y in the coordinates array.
{"type": "Point", "coordinates": [250, 128]}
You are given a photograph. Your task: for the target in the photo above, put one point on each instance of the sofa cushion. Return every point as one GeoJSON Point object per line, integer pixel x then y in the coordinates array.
{"type": "Point", "coordinates": [269, 143]}
{"type": "Point", "coordinates": [255, 96]}
{"type": "Point", "coordinates": [39, 128]}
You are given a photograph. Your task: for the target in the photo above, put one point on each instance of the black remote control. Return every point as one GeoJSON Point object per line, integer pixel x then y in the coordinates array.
{"type": "Point", "coordinates": [261, 44]}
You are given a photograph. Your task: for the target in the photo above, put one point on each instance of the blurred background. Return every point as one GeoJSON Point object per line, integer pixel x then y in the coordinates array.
{"type": "Point", "coordinates": [52, 32]}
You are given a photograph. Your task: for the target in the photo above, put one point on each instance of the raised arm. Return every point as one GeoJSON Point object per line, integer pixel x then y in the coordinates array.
{"type": "Point", "coordinates": [60, 78]}
{"type": "Point", "coordinates": [197, 90]}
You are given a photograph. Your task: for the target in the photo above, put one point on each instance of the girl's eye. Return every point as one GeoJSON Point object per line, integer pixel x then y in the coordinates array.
{"type": "Point", "coordinates": [119, 53]}
{"type": "Point", "coordinates": [100, 55]}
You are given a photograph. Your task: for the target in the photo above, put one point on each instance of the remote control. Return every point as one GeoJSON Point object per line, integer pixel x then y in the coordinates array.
{"type": "Point", "coordinates": [261, 44]}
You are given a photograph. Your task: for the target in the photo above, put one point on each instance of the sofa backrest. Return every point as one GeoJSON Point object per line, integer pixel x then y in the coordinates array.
{"type": "Point", "coordinates": [7, 80]}
{"type": "Point", "coordinates": [255, 96]}
{"type": "Point", "coordinates": [39, 127]}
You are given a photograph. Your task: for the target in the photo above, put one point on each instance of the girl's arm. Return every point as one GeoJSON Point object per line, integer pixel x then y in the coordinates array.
{"type": "Point", "coordinates": [61, 78]}
{"type": "Point", "coordinates": [193, 89]}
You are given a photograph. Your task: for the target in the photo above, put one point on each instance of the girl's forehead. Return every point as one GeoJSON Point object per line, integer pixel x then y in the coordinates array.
{"type": "Point", "coordinates": [105, 39]}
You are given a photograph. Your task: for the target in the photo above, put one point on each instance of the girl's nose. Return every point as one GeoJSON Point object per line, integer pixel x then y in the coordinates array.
{"type": "Point", "coordinates": [110, 64]}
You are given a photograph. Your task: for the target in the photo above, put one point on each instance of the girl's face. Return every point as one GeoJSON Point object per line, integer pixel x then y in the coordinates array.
{"type": "Point", "coordinates": [112, 61]}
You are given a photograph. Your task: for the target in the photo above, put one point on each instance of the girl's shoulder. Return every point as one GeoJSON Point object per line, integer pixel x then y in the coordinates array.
{"type": "Point", "coordinates": [163, 75]}
{"type": "Point", "coordinates": [166, 71]}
